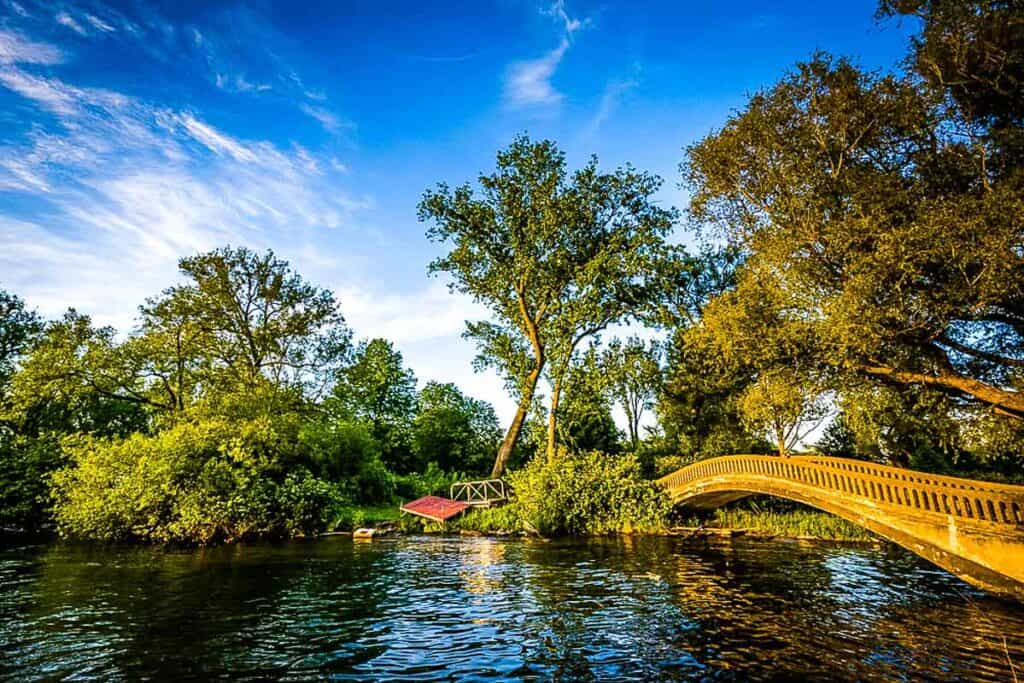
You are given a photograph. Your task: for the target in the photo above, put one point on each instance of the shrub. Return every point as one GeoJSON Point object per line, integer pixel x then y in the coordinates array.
{"type": "Point", "coordinates": [588, 493]}
{"type": "Point", "coordinates": [25, 467]}
{"type": "Point", "coordinates": [506, 518]}
{"type": "Point", "coordinates": [432, 481]}
{"type": "Point", "coordinates": [207, 481]}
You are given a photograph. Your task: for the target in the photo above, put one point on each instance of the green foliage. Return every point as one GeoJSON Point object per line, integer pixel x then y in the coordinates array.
{"type": "Point", "coordinates": [345, 452]}
{"type": "Point", "coordinates": [881, 224]}
{"type": "Point", "coordinates": [632, 371]}
{"type": "Point", "coordinates": [699, 405]}
{"type": "Point", "coordinates": [25, 467]}
{"type": "Point", "coordinates": [240, 318]}
{"type": "Point", "coordinates": [433, 481]}
{"type": "Point", "coordinates": [216, 480]}
{"type": "Point", "coordinates": [503, 519]}
{"type": "Point", "coordinates": [350, 518]}
{"type": "Point", "coordinates": [588, 493]}
{"type": "Point", "coordinates": [18, 327]}
{"type": "Point", "coordinates": [556, 257]}
{"type": "Point", "coordinates": [454, 431]}
{"type": "Point", "coordinates": [377, 388]}
{"type": "Point", "coordinates": [784, 406]}
{"type": "Point", "coordinates": [792, 524]}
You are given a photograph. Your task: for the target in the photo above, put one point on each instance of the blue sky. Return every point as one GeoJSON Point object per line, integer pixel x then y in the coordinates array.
{"type": "Point", "coordinates": [134, 133]}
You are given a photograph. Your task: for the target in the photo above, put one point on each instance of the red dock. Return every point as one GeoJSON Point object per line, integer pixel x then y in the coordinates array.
{"type": "Point", "coordinates": [435, 508]}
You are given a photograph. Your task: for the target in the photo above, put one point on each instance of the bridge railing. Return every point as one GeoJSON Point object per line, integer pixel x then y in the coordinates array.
{"type": "Point", "coordinates": [483, 492]}
{"type": "Point", "coordinates": [882, 485]}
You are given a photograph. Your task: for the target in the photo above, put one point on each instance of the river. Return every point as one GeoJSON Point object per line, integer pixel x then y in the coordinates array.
{"type": "Point", "coordinates": [450, 608]}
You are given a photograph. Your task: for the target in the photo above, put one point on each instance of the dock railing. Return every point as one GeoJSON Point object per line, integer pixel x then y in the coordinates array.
{"type": "Point", "coordinates": [481, 493]}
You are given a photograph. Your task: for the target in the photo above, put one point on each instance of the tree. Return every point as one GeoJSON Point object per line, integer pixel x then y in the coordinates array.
{"type": "Point", "coordinates": [73, 364]}
{"type": "Point", "coordinates": [378, 388]}
{"type": "Point", "coordinates": [555, 257]}
{"type": "Point", "coordinates": [698, 408]}
{"type": "Point", "coordinates": [882, 238]}
{"type": "Point", "coordinates": [633, 372]}
{"type": "Point", "coordinates": [242, 319]}
{"type": "Point", "coordinates": [784, 406]}
{"type": "Point", "coordinates": [585, 421]}
{"type": "Point", "coordinates": [244, 325]}
{"type": "Point", "coordinates": [18, 327]}
{"type": "Point", "coordinates": [457, 432]}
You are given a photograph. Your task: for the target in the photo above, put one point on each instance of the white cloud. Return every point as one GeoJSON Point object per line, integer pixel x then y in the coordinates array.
{"type": "Point", "coordinates": [51, 94]}
{"type": "Point", "coordinates": [329, 120]}
{"type": "Point", "coordinates": [17, 9]}
{"type": "Point", "coordinates": [238, 83]}
{"type": "Point", "coordinates": [613, 93]}
{"type": "Point", "coordinates": [428, 314]}
{"type": "Point", "coordinates": [129, 187]}
{"type": "Point", "coordinates": [65, 19]}
{"type": "Point", "coordinates": [99, 24]}
{"type": "Point", "coordinates": [558, 11]}
{"type": "Point", "coordinates": [15, 49]}
{"type": "Point", "coordinates": [216, 141]}
{"type": "Point", "coordinates": [529, 83]}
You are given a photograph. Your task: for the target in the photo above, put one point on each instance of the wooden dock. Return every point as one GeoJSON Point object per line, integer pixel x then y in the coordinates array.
{"type": "Point", "coordinates": [435, 508]}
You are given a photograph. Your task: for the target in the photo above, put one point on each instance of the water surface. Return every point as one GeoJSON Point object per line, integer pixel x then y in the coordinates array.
{"type": "Point", "coordinates": [435, 608]}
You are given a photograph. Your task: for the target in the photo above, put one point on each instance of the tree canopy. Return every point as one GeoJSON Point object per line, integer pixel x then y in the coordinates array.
{"type": "Point", "coordinates": [555, 256]}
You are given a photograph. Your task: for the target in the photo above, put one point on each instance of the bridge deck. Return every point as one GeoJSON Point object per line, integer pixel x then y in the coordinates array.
{"type": "Point", "coordinates": [974, 529]}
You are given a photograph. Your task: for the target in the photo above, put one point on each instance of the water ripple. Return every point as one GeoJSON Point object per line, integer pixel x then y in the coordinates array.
{"type": "Point", "coordinates": [478, 609]}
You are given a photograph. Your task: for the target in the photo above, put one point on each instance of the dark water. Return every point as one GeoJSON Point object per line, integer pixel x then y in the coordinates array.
{"type": "Point", "coordinates": [474, 608]}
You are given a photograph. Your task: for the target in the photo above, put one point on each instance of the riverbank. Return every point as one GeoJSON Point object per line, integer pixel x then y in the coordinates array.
{"type": "Point", "coordinates": [506, 521]}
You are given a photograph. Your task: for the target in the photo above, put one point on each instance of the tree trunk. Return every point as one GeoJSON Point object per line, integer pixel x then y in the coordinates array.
{"type": "Point", "coordinates": [556, 394]}
{"type": "Point", "coordinates": [509, 442]}
{"type": "Point", "coordinates": [1009, 403]}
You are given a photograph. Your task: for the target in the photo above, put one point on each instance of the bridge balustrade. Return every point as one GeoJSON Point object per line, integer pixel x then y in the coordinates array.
{"type": "Point", "coordinates": [887, 486]}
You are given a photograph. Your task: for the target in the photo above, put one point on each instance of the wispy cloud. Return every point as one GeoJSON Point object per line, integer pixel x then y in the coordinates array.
{"type": "Point", "coordinates": [17, 8]}
{"type": "Point", "coordinates": [614, 91]}
{"type": "Point", "coordinates": [528, 83]}
{"type": "Point", "coordinates": [16, 49]}
{"type": "Point", "coordinates": [127, 186]}
{"type": "Point", "coordinates": [65, 19]}
{"type": "Point", "coordinates": [99, 24]}
{"type": "Point", "coordinates": [328, 119]}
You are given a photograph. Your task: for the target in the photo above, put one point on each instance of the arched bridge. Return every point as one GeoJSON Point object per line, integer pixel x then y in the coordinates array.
{"type": "Point", "coordinates": [974, 529]}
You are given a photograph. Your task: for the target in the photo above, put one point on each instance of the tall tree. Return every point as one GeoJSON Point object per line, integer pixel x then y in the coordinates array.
{"type": "Point", "coordinates": [883, 239]}
{"type": "Point", "coordinates": [455, 431]}
{"type": "Point", "coordinates": [249, 318]}
{"type": "Point", "coordinates": [556, 257]}
{"type": "Point", "coordinates": [378, 388]}
{"type": "Point", "coordinates": [632, 370]}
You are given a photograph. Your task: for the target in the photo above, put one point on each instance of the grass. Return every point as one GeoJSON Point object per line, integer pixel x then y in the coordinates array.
{"type": "Point", "coordinates": [491, 520]}
{"type": "Point", "coordinates": [355, 517]}
{"type": "Point", "coordinates": [794, 524]}
{"type": "Point", "coordinates": [798, 523]}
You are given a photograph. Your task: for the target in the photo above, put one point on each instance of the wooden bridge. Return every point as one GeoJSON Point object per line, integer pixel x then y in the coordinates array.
{"type": "Point", "coordinates": [974, 529]}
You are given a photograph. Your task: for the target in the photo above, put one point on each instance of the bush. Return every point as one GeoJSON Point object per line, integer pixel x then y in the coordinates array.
{"type": "Point", "coordinates": [25, 467]}
{"type": "Point", "coordinates": [506, 518]}
{"type": "Point", "coordinates": [588, 493]}
{"type": "Point", "coordinates": [203, 482]}
{"type": "Point", "coordinates": [432, 481]}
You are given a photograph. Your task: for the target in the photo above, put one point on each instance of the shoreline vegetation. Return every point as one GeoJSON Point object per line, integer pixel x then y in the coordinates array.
{"type": "Point", "coordinates": [748, 521]}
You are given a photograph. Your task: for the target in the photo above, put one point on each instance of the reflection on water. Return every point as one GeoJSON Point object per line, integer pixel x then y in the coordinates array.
{"type": "Point", "coordinates": [435, 608]}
